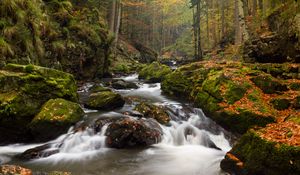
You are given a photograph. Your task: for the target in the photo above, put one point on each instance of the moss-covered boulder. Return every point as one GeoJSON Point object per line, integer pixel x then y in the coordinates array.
{"type": "Point", "coordinates": [268, 84]}
{"type": "Point", "coordinates": [151, 111]}
{"type": "Point", "coordinates": [154, 72]}
{"type": "Point", "coordinates": [274, 150]}
{"type": "Point", "coordinates": [55, 118]}
{"type": "Point", "coordinates": [237, 96]}
{"type": "Point", "coordinates": [23, 91]}
{"type": "Point", "coordinates": [105, 100]}
{"type": "Point", "coordinates": [122, 84]}
{"type": "Point", "coordinates": [97, 88]}
{"type": "Point", "coordinates": [281, 103]}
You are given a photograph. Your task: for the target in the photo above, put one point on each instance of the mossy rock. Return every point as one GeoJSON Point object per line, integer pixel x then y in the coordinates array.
{"type": "Point", "coordinates": [281, 103]}
{"type": "Point", "coordinates": [296, 104]}
{"type": "Point", "coordinates": [155, 72]}
{"type": "Point", "coordinates": [55, 118]}
{"type": "Point", "coordinates": [97, 88]}
{"type": "Point", "coordinates": [269, 84]}
{"type": "Point", "coordinates": [105, 100]}
{"type": "Point", "coordinates": [23, 91]}
{"type": "Point", "coordinates": [224, 92]}
{"type": "Point", "coordinates": [260, 156]}
{"type": "Point", "coordinates": [155, 112]}
{"type": "Point", "coordinates": [295, 86]}
{"type": "Point", "coordinates": [177, 84]}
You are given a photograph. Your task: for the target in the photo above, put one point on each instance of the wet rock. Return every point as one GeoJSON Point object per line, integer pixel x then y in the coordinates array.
{"type": "Point", "coordinates": [154, 72]}
{"type": "Point", "coordinates": [23, 91]}
{"type": "Point", "coordinates": [232, 164]}
{"type": "Point", "coordinates": [98, 88]}
{"type": "Point", "coordinates": [105, 100]}
{"type": "Point", "coordinates": [151, 111]}
{"type": "Point", "coordinates": [38, 152]}
{"type": "Point", "coordinates": [254, 154]}
{"type": "Point", "coordinates": [134, 114]}
{"type": "Point", "coordinates": [99, 123]}
{"type": "Point", "coordinates": [18, 170]}
{"type": "Point", "coordinates": [55, 118]}
{"type": "Point", "coordinates": [14, 170]}
{"type": "Point", "coordinates": [121, 84]}
{"type": "Point", "coordinates": [130, 133]}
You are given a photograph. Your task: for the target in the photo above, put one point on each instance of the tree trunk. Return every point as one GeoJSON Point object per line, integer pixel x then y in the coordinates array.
{"type": "Point", "coordinates": [199, 30]}
{"type": "Point", "coordinates": [254, 7]}
{"type": "Point", "coordinates": [238, 38]}
{"type": "Point", "coordinates": [223, 17]}
{"type": "Point", "coordinates": [112, 15]}
{"type": "Point", "coordinates": [118, 21]}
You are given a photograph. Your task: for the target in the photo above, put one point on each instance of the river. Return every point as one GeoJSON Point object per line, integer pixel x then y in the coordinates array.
{"type": "Point", "coordinates": [85, 153]}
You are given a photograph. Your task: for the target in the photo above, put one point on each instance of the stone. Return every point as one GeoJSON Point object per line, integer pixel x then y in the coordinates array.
{"type": "Point", "coordinates": [55, 118]}
{"type": "Point", "coordinates": [23, 91]}
{"type": "Point", "coordinates": [257, 155]}
{"type": "Point", "coordinates": [151, 111]}
{"type": "Point", "coordinates": [154, 72]}
{"type": "Point", "coordinates": [131, 133]}
{"type": "Point", "coordinates": [281, 103]}
{"type": "Point", "coordinates": [106, 100]}
{"type": "Point", "coordinates": [121, 84]}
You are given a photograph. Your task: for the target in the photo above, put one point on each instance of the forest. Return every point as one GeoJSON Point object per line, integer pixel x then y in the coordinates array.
{"type": "Point", "coordinates": [131, 87]}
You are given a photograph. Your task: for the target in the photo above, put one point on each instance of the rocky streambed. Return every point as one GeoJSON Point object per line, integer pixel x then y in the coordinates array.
{"type": "Point", "coordinates": [126, 131]}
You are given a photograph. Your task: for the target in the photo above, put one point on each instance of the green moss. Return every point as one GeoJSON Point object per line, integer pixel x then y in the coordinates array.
{"type": "Point", "coordinates": [155, 72]}
{"type": "Point", "coordinates": [268, 84]}
{"type": "Point", "coordinates": [121, 68]}
{"type": "Point", "coordinates": [59, 110]}
{"type": "Point", "coordinates": [176, 83]}
{"type": "Point", "coordinates": [235, 92]}
{"type": "Point", "coordinates": [155, 112]}
{"type": "Point", "coordinates": [254, 95]}
{"type": "Point", "coordinates": [281, 103]}
{"type": "Point", "coordinates": [105, 100]}
{"type": "Point", "coordinates": [264, 157]}
{"type": "Point", "coordinates": [55, 117]}
{"type": "Point", "coordinates": [295, 86]}
{"type": "Point", "coordinates": [96, 88]}
{"type": "Point", "coordinates": [294, 118]}
{"type": "Point", "coordinates": [213, 83]}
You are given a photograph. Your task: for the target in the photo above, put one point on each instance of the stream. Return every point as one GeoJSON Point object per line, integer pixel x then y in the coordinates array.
{"type": "Point", "coordinates": [85, 153]}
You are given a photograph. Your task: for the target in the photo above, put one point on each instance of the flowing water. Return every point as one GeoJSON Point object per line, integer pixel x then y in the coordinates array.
{"type": "Point", "coordinates": [85, 153]}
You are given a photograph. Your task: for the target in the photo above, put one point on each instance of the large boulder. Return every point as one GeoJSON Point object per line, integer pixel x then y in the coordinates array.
{"type": "Point", "coordinates": [122, 84]}
{"type": "Point", "coordinates": [55, 118]}
{"type": "Point", "coordinates": [154, 72]}
{"type": "Point", "coordinates": [23, 91]}
{"type": "Point", "coordinates": [151, 111]}
{"type": "Point", "coordinates": [273, 150]}
{"type": "Point", "coordinates": [105, 100]}
{"type": "Point", "coordinates": [237, 96]}
{"type": "Point", "coordinates": [147, 54]}
{"type": "Point", "coordinates": [130, 132]}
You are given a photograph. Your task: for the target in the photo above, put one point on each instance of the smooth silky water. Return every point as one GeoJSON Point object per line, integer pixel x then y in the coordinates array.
{"type": "Point", "coordinates": [184, 149]}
